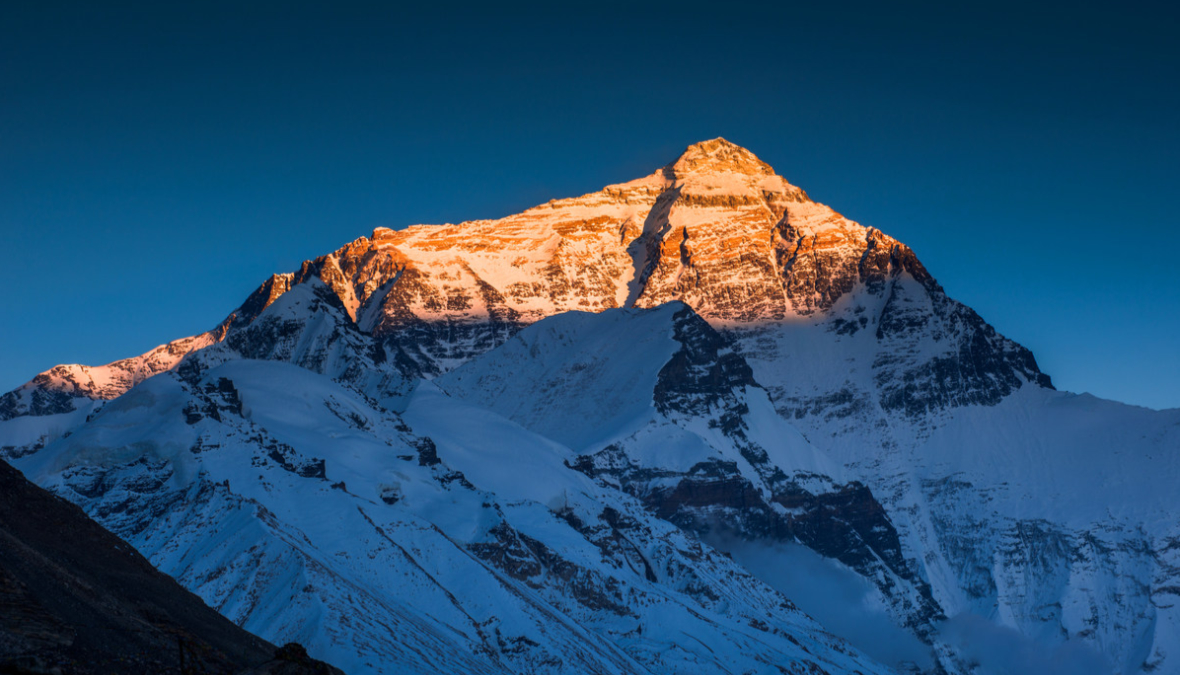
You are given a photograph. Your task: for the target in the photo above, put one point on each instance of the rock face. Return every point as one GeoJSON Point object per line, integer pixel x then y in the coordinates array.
{"type": "Point", "coordinates": [292, 659]}
{"type": "Point", "coordinates": [805, 381]}
{"type": "Point", "coordinates": [74, 598]}
{"type": "Point", "coordinates": [62, 388]}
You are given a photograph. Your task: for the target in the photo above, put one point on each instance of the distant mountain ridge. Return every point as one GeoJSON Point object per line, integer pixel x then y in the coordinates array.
{"type": "Point", "coordinates": [807, 383]}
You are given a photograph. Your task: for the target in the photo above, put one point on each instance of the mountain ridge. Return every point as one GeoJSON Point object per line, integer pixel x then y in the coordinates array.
{"type": "Point", "coordinates": [385, 282]}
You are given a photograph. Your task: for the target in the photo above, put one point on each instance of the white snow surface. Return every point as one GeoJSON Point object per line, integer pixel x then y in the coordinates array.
{"type": "Point", "coordinates": [1051, 514]}
{"type": "Point", "coordinates": [602, 367]}
{"type": "Point", "coordinates": [587, 381]}
{"type": "Point", "coordinates": [377, 587]}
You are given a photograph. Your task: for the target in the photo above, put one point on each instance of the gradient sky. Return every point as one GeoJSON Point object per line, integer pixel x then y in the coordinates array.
{"type": "Point", "coordinates": [158, 161]}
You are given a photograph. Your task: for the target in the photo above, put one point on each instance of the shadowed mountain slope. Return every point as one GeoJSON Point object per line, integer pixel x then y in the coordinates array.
{"type": "Point", "coordinates": [75, 598]}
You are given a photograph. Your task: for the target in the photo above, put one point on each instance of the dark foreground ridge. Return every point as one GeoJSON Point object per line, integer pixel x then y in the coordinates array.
{"type": "Point", "coordinates": [76, 599]}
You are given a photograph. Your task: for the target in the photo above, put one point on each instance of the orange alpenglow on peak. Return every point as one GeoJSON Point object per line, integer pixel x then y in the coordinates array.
{"type": "Point", "coordinates": [718, 156]}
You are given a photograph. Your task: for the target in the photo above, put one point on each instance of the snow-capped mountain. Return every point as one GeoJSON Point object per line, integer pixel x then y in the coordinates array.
{"type": "Point", "coordinates": [576, 422]}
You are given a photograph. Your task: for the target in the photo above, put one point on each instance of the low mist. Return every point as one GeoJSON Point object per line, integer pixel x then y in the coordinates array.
{"type": "Point", "coordinates": [999, 650]}
{"type": "Point", "coordinates": [847, 605]}
{"type": "Point", "coordinates": [834, 595]}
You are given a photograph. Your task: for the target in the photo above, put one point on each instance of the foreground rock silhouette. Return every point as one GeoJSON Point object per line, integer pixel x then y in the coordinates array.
{"type": "Point", "coordinates": [76, 599]}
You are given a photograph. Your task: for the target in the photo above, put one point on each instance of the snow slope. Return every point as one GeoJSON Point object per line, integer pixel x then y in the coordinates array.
{"type": "Point", "coordinates": [659, 407]}
{"type": "Point", "coordinates": [304, 510]}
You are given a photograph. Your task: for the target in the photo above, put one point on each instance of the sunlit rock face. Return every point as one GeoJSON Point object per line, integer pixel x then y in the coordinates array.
{"type": "Point", "coordinates": [716, 229]}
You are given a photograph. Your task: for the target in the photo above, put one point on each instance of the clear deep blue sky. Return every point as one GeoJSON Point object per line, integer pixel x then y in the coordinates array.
{"type": "Point", "coordinates": [159, 160]}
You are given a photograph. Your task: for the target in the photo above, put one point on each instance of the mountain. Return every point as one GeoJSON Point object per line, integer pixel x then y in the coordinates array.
{"type": "Point", "coordinates": [705, 350]}
{"type": "Point", "coordinates": [75, 598]}
{"type": "Point", "coordinates": [716, 229]}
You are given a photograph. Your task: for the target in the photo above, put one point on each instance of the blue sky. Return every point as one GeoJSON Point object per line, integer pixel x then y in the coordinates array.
{"type": "Point", "coordinates": [157, 163]}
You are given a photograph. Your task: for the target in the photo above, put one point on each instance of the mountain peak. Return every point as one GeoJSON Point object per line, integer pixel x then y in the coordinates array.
{"type": "Point", "coordinates": [717, 156]}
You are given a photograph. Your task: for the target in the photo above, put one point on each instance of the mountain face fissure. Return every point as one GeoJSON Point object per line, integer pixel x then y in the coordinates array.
{"type": "Point", "coordinates": [564, 403]}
